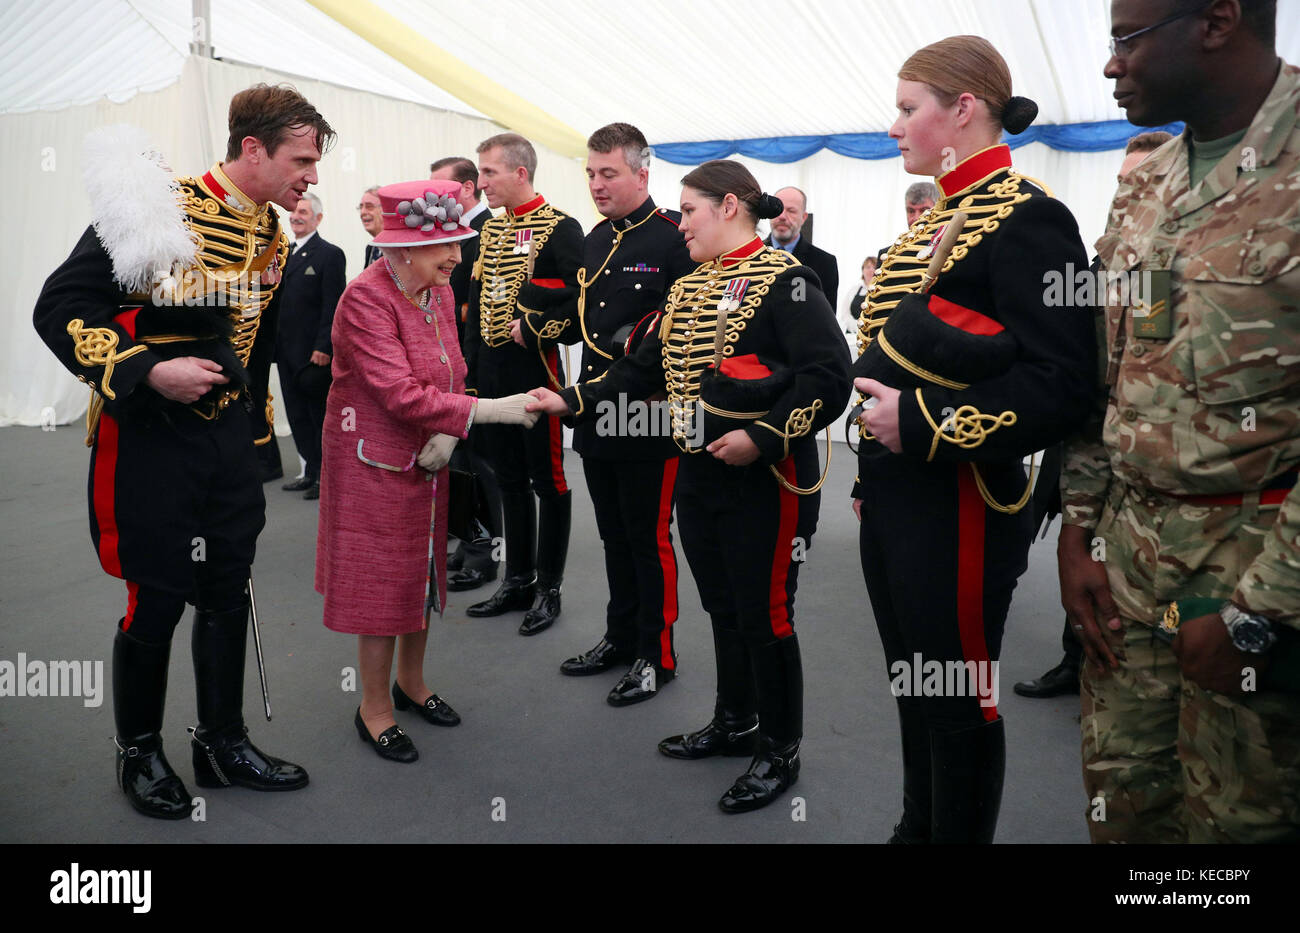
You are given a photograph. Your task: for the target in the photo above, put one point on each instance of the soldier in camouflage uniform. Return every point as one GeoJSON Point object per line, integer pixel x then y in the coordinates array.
{"type": "Point", "coordinates": [1185, 489]}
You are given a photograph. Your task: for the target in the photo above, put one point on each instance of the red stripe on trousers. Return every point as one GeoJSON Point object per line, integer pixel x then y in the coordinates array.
{"type": "Point", "coordinates": [970, 575]}
{"type": "Point", "coordinates": [132, 600]}
{"type": "Point", "coordinates": [779, 601]}
{"type": "Point", "coordinates": [557, 435]}
{"type": "Point", "coordinates": [104, 494]}
{"type": "Point", "coordinates": [667, 562]}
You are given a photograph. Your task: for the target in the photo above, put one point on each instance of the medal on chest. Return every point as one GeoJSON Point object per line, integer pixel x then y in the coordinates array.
{"type": "Point", "coordinates": [523, 242]}
{"type": "Point", "coordinates": [273, 272]}
{"type": "Point", "coordinates": [733, 294]}
{"type": "Point", "coordinates": [928, 249]}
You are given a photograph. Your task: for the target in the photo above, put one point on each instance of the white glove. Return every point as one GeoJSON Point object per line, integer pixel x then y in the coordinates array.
{"type": "Point", "coordinates": [436, 452]}
{"type": "Point", "coordinates": [508, 410]}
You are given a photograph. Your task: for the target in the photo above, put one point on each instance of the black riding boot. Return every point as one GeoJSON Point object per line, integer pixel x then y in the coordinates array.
{"type": "Point", "coordinates": [223, 753]}
{"type": "Point", "coordinates": [733, 731]}
{"type": "Point", "coordinates": [968, 765]}
{"type": "Point", "coordinates": [778, 672]}
{"type": "Point", "coordinates": [914, 827]}
{"type": "Point", "coordinates": [519, 515]}
{"type": "Point", "coordinates": [552, 550]}
{"type": "Point", "coordinates": [139, 695]}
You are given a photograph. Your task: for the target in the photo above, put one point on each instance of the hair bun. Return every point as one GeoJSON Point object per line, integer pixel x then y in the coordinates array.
{"type": "Point", "coordinates": [769, 206]}
{"type": "Point", "coordinates": [1018, 113]}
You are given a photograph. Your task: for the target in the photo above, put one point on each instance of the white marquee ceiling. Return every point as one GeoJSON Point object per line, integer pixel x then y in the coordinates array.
{"type": "Point", "coordinates": [682, 70]}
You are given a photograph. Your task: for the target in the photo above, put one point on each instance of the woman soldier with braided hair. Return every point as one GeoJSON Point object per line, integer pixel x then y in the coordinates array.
{"type": "Point", "coordinates": [966, 372]}
{"type": "Point", "coordinates": [749, 355]}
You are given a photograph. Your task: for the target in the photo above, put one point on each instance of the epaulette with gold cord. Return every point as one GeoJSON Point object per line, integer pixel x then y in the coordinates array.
{"type": "Point", "coordinates": [508, 247]}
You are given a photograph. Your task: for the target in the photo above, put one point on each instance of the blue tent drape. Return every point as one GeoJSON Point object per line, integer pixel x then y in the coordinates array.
{"type": "Point", "coordinates": [1074, 137]}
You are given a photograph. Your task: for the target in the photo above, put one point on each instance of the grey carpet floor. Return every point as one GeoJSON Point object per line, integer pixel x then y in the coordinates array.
{"type": "Point", "coordinates": [540, 757]}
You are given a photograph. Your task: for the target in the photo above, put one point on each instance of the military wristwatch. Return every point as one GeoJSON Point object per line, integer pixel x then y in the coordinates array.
{"type": "Point", "coordinates": [1250, 633]}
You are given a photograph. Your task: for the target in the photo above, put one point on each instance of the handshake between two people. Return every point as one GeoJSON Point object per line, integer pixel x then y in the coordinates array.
{"type": "Point", "coordinates": [735, 448]}
{"type": "Point", "coordinates": [511, 409]}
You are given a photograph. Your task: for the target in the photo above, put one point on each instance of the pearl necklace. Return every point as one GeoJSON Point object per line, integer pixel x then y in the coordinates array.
{"type": "Point", "coordinates": [423, 303]}
{"type": "Point", "coordinates": [430, 318]}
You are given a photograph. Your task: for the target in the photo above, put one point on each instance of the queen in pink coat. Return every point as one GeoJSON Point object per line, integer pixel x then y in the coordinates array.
{"type": "Point", "coordinates": [396, 410]}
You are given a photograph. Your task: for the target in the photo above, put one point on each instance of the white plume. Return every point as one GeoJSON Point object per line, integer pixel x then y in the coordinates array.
{"type": "Point", "coordinates": [135, 206]}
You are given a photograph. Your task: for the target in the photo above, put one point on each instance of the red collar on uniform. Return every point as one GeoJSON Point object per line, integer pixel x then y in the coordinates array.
{"type": "Point", "coordinates": [974, 168]}
{"type": "Point", "coordinates": [528, 207]}
{"type": "Point", "coordinates": [214, 186]}
{"type": "Point", "coordinates": [741, 253]}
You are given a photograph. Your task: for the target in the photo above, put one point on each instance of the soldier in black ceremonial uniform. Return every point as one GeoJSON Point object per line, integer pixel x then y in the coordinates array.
{"type": "Point", "coordinates": [753, 364]}
{"type": "Point", "coordinates": [968, 377]}
{"type": "Point", "coordinates": [528, 262]}
{"type": "Point", "coordinates": [164, 331]}
{"type": "Point", "coordinates": [630, 259]}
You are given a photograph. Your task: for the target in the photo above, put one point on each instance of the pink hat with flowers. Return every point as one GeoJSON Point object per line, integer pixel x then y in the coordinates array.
{"type": "Point", "coordinates": [417, 213]}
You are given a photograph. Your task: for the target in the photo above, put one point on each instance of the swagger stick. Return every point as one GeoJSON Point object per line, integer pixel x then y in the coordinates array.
{"type": "Point", "coordinates": [257, 647]}
{"type": "Point", "coordinates": [951, 231]}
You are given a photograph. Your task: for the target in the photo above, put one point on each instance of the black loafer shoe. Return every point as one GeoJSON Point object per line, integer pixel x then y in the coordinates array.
{"type": "Point", "coordinates": [1060, 680]}
{"type": "Point", "coordinates": [393, 743]}
{"type": "Point", "coordinates": [313, 491]}
{"type": "Point", "coordinates": [543, 615]}
{"type": "Point", "coordinates": [148, 780]}
{"type": "Point", "coordinates": [512, 595]}
{"type": "Point", "coordinates": [434, 710]}
{"type": "Point", "coordinates": [731, 738]}
{"type": "Point", "coordinates": [298, 485]}
{"type": "Point", "coordinates": [640, 683]}
{"type": "Point", "coordinates": [598, 659]}
{"type": "Point", "coordinates": [770, 773]}
{"type": "Point", "coordinates": [225, 757]}
{"type": "Point", "coordinates": [462, 580]}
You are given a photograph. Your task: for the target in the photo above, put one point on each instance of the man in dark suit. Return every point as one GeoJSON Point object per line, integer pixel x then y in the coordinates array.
{"type": "Point", "coordinates": [314, 278]}
{"type": "Point", "coordinates": [786, 235]}
{"type": "Point", "coordinates": [372, 218]}
{"type": "Point", "coordinates": [472, 564]}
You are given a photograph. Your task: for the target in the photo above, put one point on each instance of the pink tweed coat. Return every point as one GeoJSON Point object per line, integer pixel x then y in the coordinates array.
{"type": "Point", "coordinates": [381, 516]}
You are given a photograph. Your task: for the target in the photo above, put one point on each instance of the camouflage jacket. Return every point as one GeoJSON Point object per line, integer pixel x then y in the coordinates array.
{"type": "Point", "coordinates": [1206, 403]}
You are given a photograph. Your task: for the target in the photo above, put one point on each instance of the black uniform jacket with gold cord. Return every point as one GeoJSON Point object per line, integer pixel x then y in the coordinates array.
{"type": "Point", "coordinates": [528, 259]}
{"type": "Point", "coordinates": [776, 315]}
{"type": "Point", "coordinates": [628, 265]}
{"type": "Point", "coordinates": [110, 338]}
{"type": "Point", "coordinates": [1016, 242]}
